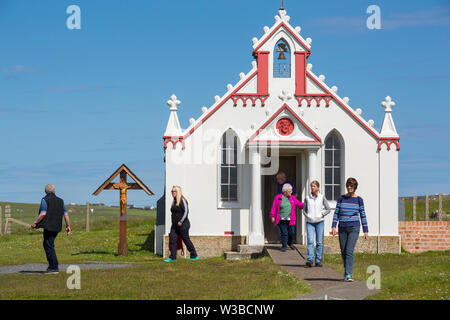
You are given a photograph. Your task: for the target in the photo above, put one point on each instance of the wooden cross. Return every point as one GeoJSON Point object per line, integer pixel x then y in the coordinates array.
{"type": "Point", "coordinates": [123, 186]}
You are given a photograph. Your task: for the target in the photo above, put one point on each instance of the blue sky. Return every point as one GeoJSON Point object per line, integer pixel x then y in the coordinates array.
{"type": "Point", "coordinates": [76, 104]}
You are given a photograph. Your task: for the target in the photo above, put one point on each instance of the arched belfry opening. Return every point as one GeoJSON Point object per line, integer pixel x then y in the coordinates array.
{"type": "Point", "coordinates": [282, 60]}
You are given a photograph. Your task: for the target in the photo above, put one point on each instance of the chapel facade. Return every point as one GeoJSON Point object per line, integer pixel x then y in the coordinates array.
{"type": "Point", "coordinates": [280, 116]}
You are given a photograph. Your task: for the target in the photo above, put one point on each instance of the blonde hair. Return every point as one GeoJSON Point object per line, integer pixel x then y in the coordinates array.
{"type": "Point", "coordinates": [179, 196]}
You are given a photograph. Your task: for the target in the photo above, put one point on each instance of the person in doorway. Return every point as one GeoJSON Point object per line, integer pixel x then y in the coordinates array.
{"type": "Point", "coordinates": [180, 225]}
{"type": "Point", "coordinates": [281, 180]}
{"type": "Point", "coordinates": [316, 208]}
{"type": "Point", "coordinates": [349, 211]}
{"type": "Point", "coordinates": [50, 217]}
{"type": "Point", "coordinates": [283, 215]}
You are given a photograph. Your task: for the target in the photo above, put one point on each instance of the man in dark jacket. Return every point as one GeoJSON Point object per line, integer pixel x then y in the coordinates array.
{"type": "Point", "coordinates": [50, 217]}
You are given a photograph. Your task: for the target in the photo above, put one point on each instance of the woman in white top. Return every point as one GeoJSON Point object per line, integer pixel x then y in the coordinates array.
{"type": "Point", "coordinates": [315, 210]}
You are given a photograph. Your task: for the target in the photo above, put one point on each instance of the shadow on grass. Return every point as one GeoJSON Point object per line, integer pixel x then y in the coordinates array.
{"type": "Point", "coordinates": [93, 252]}
{"type": "Point", "coordinates": [149, 244]}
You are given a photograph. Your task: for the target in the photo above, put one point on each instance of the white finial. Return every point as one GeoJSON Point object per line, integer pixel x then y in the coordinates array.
{"type": "Point", "coordinates": [173, 103]}
{"type": "Point", "coordinates": [309, 66]}
{"type": "Point", "coordinates": [229, 87]}
{"type": "Point", "coordinates": [204, 109]}
{"type": "Point", "coordinates": [254, 64]}
{"type": "Point", "coordinates": [371, 122]}
{"type": "Point", "coordinates": [285, 96]}
{"type": "Point", "coordinates": [388, 127]}
{"type": "Point", "coordinates": [335, 89]}
{"type": "Point", "coordinates": [241, 75]}
{"type": "Point", "coordinates": [359, 111]}
{"type": "Point", "coordinates": [254, 40]}
{"type": "Point", "coordinates": [191, 121]}
{"type": "Point", "coordinates": [346, 99]}
{"type": "Point", "coordinates": [388, 104]}
{"type": "Point", "coordinates": [266, 29]}
{"type": "Point", "coordinates": [322, 78]}
{"type": "Point", "coordinates": [308, 41]}
{"type": "Point", "coordinates": [216, 98]}
{"type": "Point", "coordinates": [173, 124]}
{"type": "Point", "coordinates": [277, 18]}
{"type": "Point", "coordinates": [298, 29]}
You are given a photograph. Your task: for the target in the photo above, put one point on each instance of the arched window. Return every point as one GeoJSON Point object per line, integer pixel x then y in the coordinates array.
{"type": "Point", "coordinates": [333, 166]}
{"type": "Point", "coordinates": [229, 167]}
{"type": "Point", "coordinates": [282, 60]}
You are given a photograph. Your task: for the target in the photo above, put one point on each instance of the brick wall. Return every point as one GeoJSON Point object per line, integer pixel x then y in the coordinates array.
{"type": "Point", "coordinates": [420, 236]}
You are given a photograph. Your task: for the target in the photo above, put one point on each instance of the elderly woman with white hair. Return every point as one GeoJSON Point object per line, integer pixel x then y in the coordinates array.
{"type": "Point", "coordinates": [283, 215]}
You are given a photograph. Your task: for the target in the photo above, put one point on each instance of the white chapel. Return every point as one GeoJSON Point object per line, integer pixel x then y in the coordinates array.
{"type": "Point", "coordinates": [280, 116]}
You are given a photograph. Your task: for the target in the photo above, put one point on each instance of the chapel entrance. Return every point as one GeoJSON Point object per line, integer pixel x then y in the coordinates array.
{"type": "Point", "coordinates": [288, 164]}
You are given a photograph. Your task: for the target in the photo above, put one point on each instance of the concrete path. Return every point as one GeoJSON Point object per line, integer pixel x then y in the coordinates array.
{"type": "Point", "coordinates": [327, 283]}
{"type": "Point", "coordinates": [40, 268]}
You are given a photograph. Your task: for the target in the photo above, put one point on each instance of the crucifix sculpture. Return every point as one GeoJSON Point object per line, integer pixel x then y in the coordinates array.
{"type": "Point", "coordinates": [123, 186]}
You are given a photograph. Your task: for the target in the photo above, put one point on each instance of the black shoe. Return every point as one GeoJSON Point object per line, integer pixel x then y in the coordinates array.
{"type": "Point", "coordinates": [292, 246]}
{"type": "Point", "coordinates": [318, 264]}
{"type": "Point", "coordinates": [308, 263]}
{"type": "Point", "coordinates": [52, 271]}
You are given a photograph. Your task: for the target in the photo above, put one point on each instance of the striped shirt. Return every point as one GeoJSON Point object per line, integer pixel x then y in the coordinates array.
{"type": "Point", "coordinates": [348, 213]}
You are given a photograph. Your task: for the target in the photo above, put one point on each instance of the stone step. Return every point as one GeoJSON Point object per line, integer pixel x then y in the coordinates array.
{"type": "Point", "coordinates": [245, 248]}
{"type": "Point", "coordinates": [233, 255]}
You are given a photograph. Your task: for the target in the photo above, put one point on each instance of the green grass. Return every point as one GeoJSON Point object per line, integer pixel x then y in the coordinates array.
{"type": "Point", "coordinates": [420, 207]}
{"type": "Point", "coordinates": [101, 217]}
{"type": "Point", "coordinates": [149, 278]}
{"type": "Point", "coordinates": [405, 276]}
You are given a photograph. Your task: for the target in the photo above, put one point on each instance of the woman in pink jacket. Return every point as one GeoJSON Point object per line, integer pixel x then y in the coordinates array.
{"type": "Point", "coordinates": [283, 215]}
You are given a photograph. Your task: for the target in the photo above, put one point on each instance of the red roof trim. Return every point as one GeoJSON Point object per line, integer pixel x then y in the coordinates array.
{"type": "Point", "coordinates": [342, 105]}
{"type": "Point", "coordinates": [285, 106]}
{"type": "Point", "coordinates": [220, 104]}
{"type": "Point", "coordinates": [282, 24]}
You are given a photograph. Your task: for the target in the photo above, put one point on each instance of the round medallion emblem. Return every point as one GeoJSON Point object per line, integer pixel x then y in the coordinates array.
{"type": "Point", "coordinates": [285, 126]}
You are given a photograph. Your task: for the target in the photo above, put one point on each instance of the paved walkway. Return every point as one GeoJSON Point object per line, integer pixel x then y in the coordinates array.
{"type": "Point", "coordinates": [327, 283]}
{"type": "Point", "coordinates": [40, 268]}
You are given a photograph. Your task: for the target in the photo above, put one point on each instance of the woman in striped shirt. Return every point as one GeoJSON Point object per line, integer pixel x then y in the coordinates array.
{"type": "Point", "coordinates": [349, 211]}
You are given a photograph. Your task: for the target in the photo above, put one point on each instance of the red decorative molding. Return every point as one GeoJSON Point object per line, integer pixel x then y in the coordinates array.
{"type": "Point", "coordinates": [343, 106]}
{"type": "Point", "coordinates": [174, 141]}
{"type": "Point", "coordinates": [282, 24]}
{"type": "Point", "coordinates": [262, 58]}
{"type": "Point", "coordinates": [245, 96]}
{"type": "Point", "coordinates": [388, 142]}
{"type": "Point", "coordinates": [318, 97]}
{"type": "Point", "coordinates": [300, 73]}
{"type": "Point", "coordinates": [285, 106]}
{"type": "Point", "coordinates": [229, 233]}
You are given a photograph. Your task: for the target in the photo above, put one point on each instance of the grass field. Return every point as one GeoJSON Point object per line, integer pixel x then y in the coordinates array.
{"type": "Point", "coordinates": [102, 215]}
{"type": "Point", "coordinates": [403, 276]}
{"type": "Point", "coordinates": [420, 207]}
{"type": "Point", "coordinates": [149, 278]}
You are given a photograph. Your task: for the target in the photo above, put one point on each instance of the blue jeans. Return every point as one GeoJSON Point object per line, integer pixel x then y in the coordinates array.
{"type": "Point", "coordinates": [285, 232]}
{"type": "Point", "coordinates": [347, 240]}
{"type": "Point", "coordinates": [316, 228]}
{"type": "Point", "coordinates": [49, 247]}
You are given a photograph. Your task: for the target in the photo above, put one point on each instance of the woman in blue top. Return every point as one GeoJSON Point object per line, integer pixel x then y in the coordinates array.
{"type": "Point", "coordinates": [349, 210]}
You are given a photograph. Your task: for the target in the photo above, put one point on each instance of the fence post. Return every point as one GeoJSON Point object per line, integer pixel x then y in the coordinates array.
{"type": "Point", "coordinates": [440, 207]}
{"type": "Point", "coordinates": [414, 208]}
{"type": "Point", "coordinates": [7, 222]}
{"type": "Point", "coordinates": [1, 224]}
{"type": "Point", "coordinates": [427, 213]}
{"type": "Point", "coordinates": [87, 217]}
